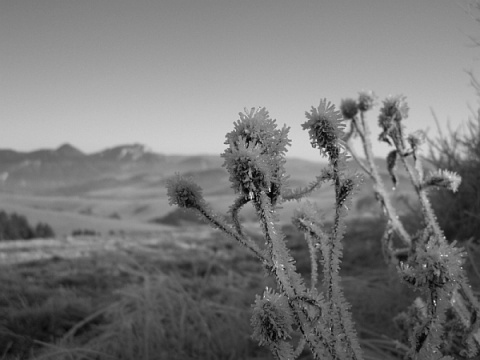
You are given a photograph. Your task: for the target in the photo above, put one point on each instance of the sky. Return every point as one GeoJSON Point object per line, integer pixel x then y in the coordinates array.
{"type": "Point", "coordinates": [174, 74]}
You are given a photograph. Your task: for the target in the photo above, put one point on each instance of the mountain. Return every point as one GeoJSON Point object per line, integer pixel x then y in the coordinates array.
{"type": "Point", "coordinates": [68, 151]}
{"type": "Point", "coordinates": [129, 168]}
{"type": "Point", "coordinates": [68, 171]}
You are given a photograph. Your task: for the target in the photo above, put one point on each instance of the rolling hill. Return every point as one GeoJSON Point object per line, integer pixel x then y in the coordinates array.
{"type": "Point", "coordinates": [123, 187]}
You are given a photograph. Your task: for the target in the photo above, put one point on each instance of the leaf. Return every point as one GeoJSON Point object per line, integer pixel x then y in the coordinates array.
{"type": "Point", "coordinates": [391, 165]}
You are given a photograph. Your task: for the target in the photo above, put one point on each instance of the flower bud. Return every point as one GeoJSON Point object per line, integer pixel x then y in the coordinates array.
{"type": "Point", "coordinates": [349, 108]}
{"type": "Point", "coordinates": [444, 178]}
{"type": "Point", "coordinates": [184, 192]}
{"type": "Point", "coordinates": [325, 127]}
{"type": "Point", "coordinates": [366, 100]}
{"type": "Point", "coordinates": [271, 318]}
{"type": "Point", "coordinates": [434, 265]}
{"type": "Point", "coordinates": [416, 139]}
{"type": "Point", "coordinates": [394, 108]}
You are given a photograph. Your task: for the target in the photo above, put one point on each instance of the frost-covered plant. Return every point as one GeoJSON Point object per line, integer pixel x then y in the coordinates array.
{"type": "Point", "coordinates": [426, 260]}
{"type": "Point", "coordinates": [318, 311]}
{"type": "Point", "coordinates": [255, 158]}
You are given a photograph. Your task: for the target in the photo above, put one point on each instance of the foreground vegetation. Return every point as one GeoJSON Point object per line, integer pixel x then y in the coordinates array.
{"type": "Point", "coordinates": [316, 311]}
{"type": "Point", "coordinates": [14, 226]}
{"type": "Point", "coordinates": [183, 299]}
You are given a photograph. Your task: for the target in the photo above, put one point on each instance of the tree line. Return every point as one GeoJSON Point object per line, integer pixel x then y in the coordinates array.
{"type": "Point", "coordinates": [15, 227]}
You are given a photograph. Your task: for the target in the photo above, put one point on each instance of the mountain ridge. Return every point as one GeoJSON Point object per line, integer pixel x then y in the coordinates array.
{"type": "Point", "coordinates": [68, 171]}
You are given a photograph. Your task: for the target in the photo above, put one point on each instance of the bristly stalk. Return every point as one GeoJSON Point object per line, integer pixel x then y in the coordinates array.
{"type": "Point", "coordinates": [433, 265]}
{"type": "Point", "coordinates": [365, 103]}
{"type": "Point", "coordinates": [255, 159]}
{"type": "Point", "coordinates": [325, 125]}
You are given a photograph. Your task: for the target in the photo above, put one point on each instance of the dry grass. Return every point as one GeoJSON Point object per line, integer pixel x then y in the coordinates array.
{"type": "Point", "coordinates": [184, 296]}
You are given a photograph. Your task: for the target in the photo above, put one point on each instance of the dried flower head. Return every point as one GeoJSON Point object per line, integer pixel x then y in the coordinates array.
{"type": "Point", "coordinates": [271, 319]}
{"type": "Point", "coordinates": [184, 192]}
{"type": "Point", "coordinates": [255, 157]}
{"type": "Point", "coordinates": [434, 265]}
{"type": "Point", "coordinates": [257, 128]}
{"type": "Point", "coordinates": [416, 139]}
{"type": "Point", "coordinates": [394, 108]}
{"type": "Point", "coordinates": [393, 111]}
{"type": "Point", "coordinates": [249, 170]}
{"type": "Point", "coordinates": [349, 108]}
{"type": "Point", "coordinates": [325, 126]}
{"type": "Point", "coordinates": [366, 100]}
{"type": "Point", "coordinates": [443, 179]}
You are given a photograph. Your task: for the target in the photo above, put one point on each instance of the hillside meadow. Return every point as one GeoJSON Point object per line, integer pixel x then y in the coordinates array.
{"type": "Point", "coordinates": [179, 293]}
{"type": "Point", "coordinates": [157, 283]}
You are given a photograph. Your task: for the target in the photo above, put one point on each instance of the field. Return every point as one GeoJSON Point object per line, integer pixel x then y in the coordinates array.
{"type": "Point", "coordinates": [179, 293]}
{"type": "Point", "coordinates": [156, 283]}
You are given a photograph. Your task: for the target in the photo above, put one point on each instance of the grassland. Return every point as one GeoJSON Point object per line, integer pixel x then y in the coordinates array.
{"type": "Point", "coordinates": [176, 294]}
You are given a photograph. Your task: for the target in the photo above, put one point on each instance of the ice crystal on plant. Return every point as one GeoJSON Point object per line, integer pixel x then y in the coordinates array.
{"type": "Point", "coordinates": [444, 178]}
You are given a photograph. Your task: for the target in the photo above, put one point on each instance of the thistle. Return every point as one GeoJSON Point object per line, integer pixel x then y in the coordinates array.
{"type": "Point", "coordinates": [255, 159]}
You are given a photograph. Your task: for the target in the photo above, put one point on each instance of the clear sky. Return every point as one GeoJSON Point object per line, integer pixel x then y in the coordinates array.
{"type": "Point", "coordinates": [173, 74]}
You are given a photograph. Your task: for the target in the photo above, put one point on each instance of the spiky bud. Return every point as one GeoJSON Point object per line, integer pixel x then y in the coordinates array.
{"type": "Point", "coordinates": [271, 319]}
{"type": "Point", "coordinates": [443, 179]}
{"type": "Point", "coordinates": [184, 192]}
{"type": "Point", "coordinates": [349, 108]}
{"type": "Point", "coordinates": [416, 139]}
{"type": "Point", "coordinates": [325, 126]}
{"type": "Point", "coordinates": [255, 157]}
{"type": "Point", "coordinates": [434, 265]}
{"type": "Point", "coordinates": [394, 108]}
{"type": "Point", "coordinates": [366, 100]}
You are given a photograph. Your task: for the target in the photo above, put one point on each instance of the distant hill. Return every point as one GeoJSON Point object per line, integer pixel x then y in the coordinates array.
{"type": "Point", "coordinates": [133, 168]}
{"type": "Point", "coordinates": [68, 171]}
{"type": "Point", "coordinates": [124, 186]}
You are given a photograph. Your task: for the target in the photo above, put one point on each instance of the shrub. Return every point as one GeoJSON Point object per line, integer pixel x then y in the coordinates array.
{"type": "Point", "coordinates": [16, 227]}
{"type": "Point", "coordinates": [84, 232]}
{"type": "Point", "coordinates": [316, 312]}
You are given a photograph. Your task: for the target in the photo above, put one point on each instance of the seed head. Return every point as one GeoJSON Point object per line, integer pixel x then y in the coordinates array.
{"type": "Point", "coordinates": [366, 100]}
{"type": "Point", "coordinates": [349, 108]}
{"type": "Point", "coordinates": [184, 192]}
{"type": "Point", "coordinates": [325, 126]}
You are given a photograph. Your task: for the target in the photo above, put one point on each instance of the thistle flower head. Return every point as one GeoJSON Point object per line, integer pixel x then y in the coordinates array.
{"type": "Point", "coordinates": [366, 100]}
{"type": "Point", "coordinates": [416, 139]}
{"type": "Point", "coordinates": [257, 128]}
{"type": "Point", "coordinates": [349, 108]}
{"type": "Point", "coordinates": [394, 108]}
{"type": "Point", "coordinates": [325, 126]}
{"type": "Point", "coordinates": [249, 170]}
{"type": "Point", "coordinates": [443, 179]}
{"type": "Point", "coordinates": [184, 192]}
{"type": "Point", "coordinates": [434, 265]}
{"type": "Point", "coordinates": [255, 157]}
{"type": "Point", "coordinates": [271, 319]}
